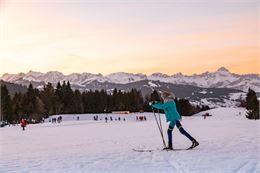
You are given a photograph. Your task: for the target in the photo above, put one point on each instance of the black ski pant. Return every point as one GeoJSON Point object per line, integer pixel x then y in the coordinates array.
{"type": "Point", "coordinates": [181, 129]}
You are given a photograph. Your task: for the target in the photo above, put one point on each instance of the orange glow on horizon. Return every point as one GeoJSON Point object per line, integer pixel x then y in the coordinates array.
{"type": "Point", "coordinates": [44, 36]}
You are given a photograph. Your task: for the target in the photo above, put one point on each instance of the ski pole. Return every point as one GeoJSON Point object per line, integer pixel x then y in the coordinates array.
{"type": "Point", "coordinates": [159, 120]}
{"type": "Point", "coordinates": [161, 126]}
{"type": "Point", "coordinates": [160, 130]}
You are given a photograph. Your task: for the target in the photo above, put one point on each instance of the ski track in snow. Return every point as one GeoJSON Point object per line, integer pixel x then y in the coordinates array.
{"type": "Point", "coordinates": [228, 144]}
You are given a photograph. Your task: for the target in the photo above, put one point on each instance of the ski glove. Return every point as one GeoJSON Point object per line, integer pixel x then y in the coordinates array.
{"type": "Point", "coordinates": [152, 102]}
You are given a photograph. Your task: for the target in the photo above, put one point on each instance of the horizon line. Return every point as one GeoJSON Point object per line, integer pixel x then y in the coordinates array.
{"type": "Point", "coordinates": [135, 73]}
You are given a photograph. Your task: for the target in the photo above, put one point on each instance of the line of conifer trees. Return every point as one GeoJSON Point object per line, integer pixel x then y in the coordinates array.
{"type": "Point", "coordinates": [37, 104]}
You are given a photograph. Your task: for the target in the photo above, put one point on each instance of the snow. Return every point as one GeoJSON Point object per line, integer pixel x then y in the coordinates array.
{"type": "Point", "coordinates": [208, 103]}
{"type": "Point", "coordinates": [203, 92]}
{"type": "Point", "coordinates": [152, 84]}
{"type": "Point", "coordinates": [236, 96]}
{"type": "Point", "coordinates": [229, 143]}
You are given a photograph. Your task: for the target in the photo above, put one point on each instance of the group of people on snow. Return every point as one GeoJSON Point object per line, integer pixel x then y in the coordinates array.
{"type": "Point", "coordinates": [96, 118]}
{"type": "Point", "coordinates": [141, 118]}
{"type": "Point", "coordinates": [56, 120]}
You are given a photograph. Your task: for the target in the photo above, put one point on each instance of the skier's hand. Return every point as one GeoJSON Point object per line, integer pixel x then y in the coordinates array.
{"type": "Point", "coordinates": [152, 102]}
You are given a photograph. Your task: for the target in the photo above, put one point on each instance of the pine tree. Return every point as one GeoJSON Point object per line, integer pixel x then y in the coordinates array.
{"type": "Point", "coordinates": [29, 102]}
{"type": "Point", "coordinates": [67, 98]}
{"type": "Point", "coordinates": [39, 110]}
{"type": "Point", "coordinates": [184, 107]}
{"type": "Point", "coordinates": [146, 106]}
{"type": "Point", "coordinates": [252, 105]}
{"type": "Point", "coordinates": [103, 101]}
{"type": "Point", "coordinates": [58, 106]}
{"type": "Point", "coordinates": [155, 96]}
{"type": "Point", "coordinates": [6, 105]}
{"type": "Point", "coordinates": [18, 106]}
{"type": "Point", "coordinates": [77, 105]}
{"type": "Point", "coordinates": [48, 99]}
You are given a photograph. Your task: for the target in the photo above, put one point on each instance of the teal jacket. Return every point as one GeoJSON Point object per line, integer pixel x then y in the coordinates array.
{"type": "Point", "coordinates": [170, 110]}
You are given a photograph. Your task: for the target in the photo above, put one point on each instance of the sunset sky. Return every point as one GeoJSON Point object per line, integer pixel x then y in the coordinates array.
{"type": "Point", "coordinates": [137, 36]}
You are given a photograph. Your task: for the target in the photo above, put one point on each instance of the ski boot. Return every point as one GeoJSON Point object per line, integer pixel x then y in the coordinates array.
{"type": "Point", "coordinates": [193, 145]}
{"type": "Point", "coordinates": [168, 148]}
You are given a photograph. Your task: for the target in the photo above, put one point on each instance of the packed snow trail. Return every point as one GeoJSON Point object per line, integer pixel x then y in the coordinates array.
{"type": "Point", "coordinates": [229, 143]}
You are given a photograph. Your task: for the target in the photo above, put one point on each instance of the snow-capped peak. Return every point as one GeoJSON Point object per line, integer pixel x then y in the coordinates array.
{"type": "Point", "coordinates": [123, 78]}
{"type": "Point", "coordinates": [223, 72]}
{"type": "Point", "coordinates": [32, 76]}
{"type": "Point", "coordinates": [12, 77]}
{"type": "Point", "coordinates": [223, 69]}
{"type": "Point", "coordinates": [178, 75]}
{"type": "Point", "coordinates": [159, 75]}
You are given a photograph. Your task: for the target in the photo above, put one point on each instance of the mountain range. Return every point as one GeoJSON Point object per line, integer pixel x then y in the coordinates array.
{"type": "Point", "coordinates": [222, 78]}
{"type": "Point", "coordinates": [219, 88]}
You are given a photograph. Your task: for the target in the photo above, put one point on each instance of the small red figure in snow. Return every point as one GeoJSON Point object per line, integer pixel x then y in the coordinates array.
{"type": "Point", "coordinates": [206, 115]}
{"type": "Point", "coordinates": [23, 123]}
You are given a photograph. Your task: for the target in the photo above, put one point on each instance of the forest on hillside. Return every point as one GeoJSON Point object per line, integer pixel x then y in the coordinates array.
{"type": "Point", "coordinates": [37, 104]}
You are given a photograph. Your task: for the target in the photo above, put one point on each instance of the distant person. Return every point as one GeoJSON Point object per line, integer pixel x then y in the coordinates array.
{"type": "Point", "coordinates": [53, 120]}
{"type": "Point", "coordinates": [78, 118]}
{"type": "Point", "coordinates": [173, 117]}
{"type": "Point", "coordinates": [111, 119]}
{"type": "Point", "coordinates": [106, 119]}
{"type": "Point", "coordinates": [137, 118]}
{"type": "Point", "coordinates": [59, 119]}
{"type": "Point", "coordinates": [96, 118]}
{"type": "Point", "coordinates": [119, 119]}
{"type": "Point", "coordinates": [23, 123]}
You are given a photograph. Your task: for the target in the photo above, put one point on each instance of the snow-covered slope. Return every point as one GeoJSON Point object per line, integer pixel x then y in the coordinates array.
{"type": "Point", "coordinates": [222, 78]}
{"type": "Point", "coordinates": [229, 143]}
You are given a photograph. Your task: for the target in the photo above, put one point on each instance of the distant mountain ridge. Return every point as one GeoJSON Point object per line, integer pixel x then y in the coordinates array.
{"type": "Point", "coordinates": [222, 78]}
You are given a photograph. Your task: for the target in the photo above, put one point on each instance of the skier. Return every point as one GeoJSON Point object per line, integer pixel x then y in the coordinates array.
{"type": "Point", "coordinates": [173, 117]}
{"type": "Point", "coordinates": [23, 123]}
